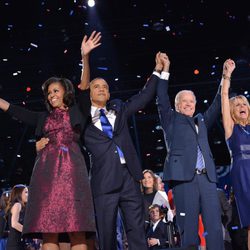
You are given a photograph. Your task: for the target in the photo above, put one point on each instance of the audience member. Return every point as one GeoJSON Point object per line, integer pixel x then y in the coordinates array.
{"type": "Point", "coordinates": [15, 211]}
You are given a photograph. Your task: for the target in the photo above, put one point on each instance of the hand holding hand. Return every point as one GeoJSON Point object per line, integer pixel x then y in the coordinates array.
{"type": "Point", "coordinates": [158, 63]}
{"type": "Point", "coordinates": [152, 242]}
{"type": "Point", "coordinates": [165, 61]}
{"type": "Point", "coordinates": [88, 44]}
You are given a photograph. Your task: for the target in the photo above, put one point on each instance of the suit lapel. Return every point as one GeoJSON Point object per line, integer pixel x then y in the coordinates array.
{"type": "Point", "coordinates": [200, 123]}
{"type": "Point", "coordinates": [113, 105]}
{"type": "Point", "coordinates": [117, 119]}
{"type": "Point", "coordinates": [96, 130]}
{"type": "Point", "coordinates": [110, 106]}
{"type": "Point", "coordinates": [192, 124]}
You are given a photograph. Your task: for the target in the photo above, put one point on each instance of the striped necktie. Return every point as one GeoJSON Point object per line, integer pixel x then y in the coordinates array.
{"type": "Point", "coordinates": [199, 162]}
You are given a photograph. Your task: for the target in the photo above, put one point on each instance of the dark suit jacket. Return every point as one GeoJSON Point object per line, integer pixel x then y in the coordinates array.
{"type": "Point", "coordinates": [160, 233]}
{"type": "Point", "coordinates": [37, 119]}
{"type": "Point", "coordinates": [106, 170]}
{"type": "Point", "coordinates": [182, 139]}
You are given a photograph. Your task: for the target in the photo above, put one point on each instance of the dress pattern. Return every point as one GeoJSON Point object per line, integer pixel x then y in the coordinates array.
{"type": "Point", "coordinates": [60, 198]}
{"type": "Point", "coordinates": [239, 143]}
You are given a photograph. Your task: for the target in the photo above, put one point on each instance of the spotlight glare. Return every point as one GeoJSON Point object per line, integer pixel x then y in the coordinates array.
{"type": "Point", "coordinates": [196, 72]}
{"type": "Point", "coordinates": [28, 89]}
{"type": "Point", "coordinates": [91, 3]}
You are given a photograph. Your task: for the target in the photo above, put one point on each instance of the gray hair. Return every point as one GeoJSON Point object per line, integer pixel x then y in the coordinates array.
{"type": "Point", "coordinates": [178, 96]}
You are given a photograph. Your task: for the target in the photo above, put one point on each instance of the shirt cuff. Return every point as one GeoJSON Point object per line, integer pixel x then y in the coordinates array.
{"type": "Point", "coordinates": [157, 74]}
{"type": "Point", "coordinates": [164, 75]}
{"type": "Point", "coordinates": [158, 242]}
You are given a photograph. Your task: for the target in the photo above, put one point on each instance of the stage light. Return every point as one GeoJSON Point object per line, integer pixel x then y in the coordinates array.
{"type": "Point", "coordinates": [91, 3]}
{"type": "Point", "coordinates": [28, 89]}
{"type": "Point", "coordinates": [196, 72]}
{"type": "Point", "coordinates": [158, 127]}
{"type": "Point", "coordinates": [34, 45]}
{"type": "Point", "coordinates": [245, 92]}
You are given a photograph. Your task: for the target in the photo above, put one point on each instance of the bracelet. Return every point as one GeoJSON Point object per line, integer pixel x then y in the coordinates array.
{"type": "Point", "coordinates": [226, 77]}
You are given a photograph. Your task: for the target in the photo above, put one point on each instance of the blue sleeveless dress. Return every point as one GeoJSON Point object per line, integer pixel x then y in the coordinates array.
{"type": "Point", "coordinates": [239, 144]}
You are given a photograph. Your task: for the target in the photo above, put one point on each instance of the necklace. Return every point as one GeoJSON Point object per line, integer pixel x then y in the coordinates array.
{"type": "Point", "coordinates": [244, 130]}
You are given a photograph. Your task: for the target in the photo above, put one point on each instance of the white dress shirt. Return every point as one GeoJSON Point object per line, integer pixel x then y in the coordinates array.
{"type": "Point", "coordinates": [155, 224]}
{"type": "Point", "coordinates": [95, 114]}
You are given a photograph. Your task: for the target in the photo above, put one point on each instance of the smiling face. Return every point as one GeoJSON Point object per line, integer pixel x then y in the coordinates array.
{"type": "Point", "coordinates": [148, 180]}
{"type": "Point", "coordinates": [99, 92]}
{"type": "Point", "coordinates": [185, 102]}
{"type": "Point", "coordinates": [240, 109]}
{"type": "Point", "coordinates": [55, 95]}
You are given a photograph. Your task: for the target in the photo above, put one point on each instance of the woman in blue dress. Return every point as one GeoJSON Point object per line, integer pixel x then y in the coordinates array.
{"type": "Point", "coordinates": [236, 121]}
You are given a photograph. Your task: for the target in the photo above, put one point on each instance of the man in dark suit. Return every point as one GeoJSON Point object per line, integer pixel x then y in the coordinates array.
{"type": "Point", "coordinates": [115, 170]}
{"type": "Point", "coordinates": [189, 165]}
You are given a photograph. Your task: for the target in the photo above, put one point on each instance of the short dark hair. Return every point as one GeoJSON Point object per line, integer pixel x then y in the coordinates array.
{"type": "Point", "coordinates": [69, 95]}
{"type": "Point", "coordinates": [153, 206]}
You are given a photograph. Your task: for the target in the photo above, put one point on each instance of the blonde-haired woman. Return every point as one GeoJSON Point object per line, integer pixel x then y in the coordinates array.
{"type": "Point", "coordinates": [236, 121]}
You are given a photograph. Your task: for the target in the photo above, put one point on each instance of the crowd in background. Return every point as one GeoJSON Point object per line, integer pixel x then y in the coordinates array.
{"type": "Point", "coordinates": [160, 224]}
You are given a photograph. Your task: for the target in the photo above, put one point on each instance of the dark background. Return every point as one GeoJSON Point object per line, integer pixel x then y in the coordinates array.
{"type": "Point", "coordinates": [40, 39]}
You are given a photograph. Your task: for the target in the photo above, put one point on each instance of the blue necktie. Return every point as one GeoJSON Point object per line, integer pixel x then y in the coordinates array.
{"type": "Point", "coordinates": [107, 129]}
{"type": "Point", "coordinates": [199, 162]}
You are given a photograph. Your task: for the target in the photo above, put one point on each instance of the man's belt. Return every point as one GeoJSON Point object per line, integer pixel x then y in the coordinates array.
{"type": "Point", "coordinates": [201, 171]}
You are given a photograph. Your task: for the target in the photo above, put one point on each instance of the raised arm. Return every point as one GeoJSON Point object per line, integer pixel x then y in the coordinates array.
{"type": "Point", "coordinates": [140, 100]}
{"type": "Point", "coordinates": [88, 44]}
{"type": "Point", "coordinates": [26, 116]}
{"type": "Point", "coordinates": [214, 109]}
{"type": "Point", "coordinates": [163, 102]}
{"type": "Point", "coordinates": [227, 120]}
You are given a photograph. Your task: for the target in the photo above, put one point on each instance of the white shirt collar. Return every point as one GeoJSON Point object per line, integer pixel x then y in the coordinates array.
{"type": "Point", "coordinates": [155, 224]}
{"type": "Point", "coordinates": [95, 110]}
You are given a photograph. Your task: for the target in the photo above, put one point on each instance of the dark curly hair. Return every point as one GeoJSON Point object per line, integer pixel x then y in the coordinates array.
{"type": "Point", "coordinates": [69, 95]}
